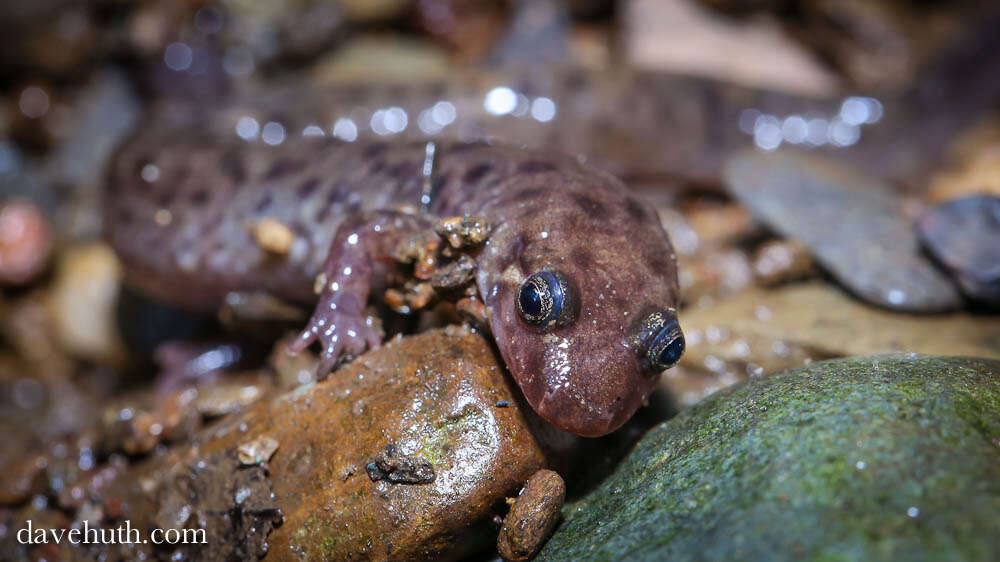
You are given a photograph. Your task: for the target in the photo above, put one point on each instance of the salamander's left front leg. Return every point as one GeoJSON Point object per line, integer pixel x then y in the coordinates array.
{"type": "Point", "coordinates": [361, 245]}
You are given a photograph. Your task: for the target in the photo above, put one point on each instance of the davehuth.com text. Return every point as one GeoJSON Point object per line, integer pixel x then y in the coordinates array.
{"type": "Point", "coordinates": [122, 534]}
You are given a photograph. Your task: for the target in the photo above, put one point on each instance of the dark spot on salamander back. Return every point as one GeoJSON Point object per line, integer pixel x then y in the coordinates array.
{"type": "Point", "coordinates": [534, 167]}
{"type": "Point", "coordinates": [581, 258]}
{"type": "Point", "coordinates": [590, 207]}
{"type": "Point", "coordinates": [283, 167]}
{"type": "Point", "coordinates": [307, 188]}
{"type": "Point", "coordinates": [528, 194]}
{"type": "Point", "coordinates": [337, 193]}
{"type": "Point", "coordinates": [231, 165]}
{"type": "Point", "coordinates": [374, 149]}
{"type": "Point", "coordinates": [165, 197]}
{"type": "Point", "coordinates": [200, 197]}
{"type": "Point", "coordinates": [264, 203]}
{"type": "Point", "coordinates": [477, 172]}
{"type": "Point", "coordinates": [403, 171]}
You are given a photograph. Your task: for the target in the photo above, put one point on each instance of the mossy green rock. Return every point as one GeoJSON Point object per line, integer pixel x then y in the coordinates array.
{"type": "Point", "coordinates": [888, 458]}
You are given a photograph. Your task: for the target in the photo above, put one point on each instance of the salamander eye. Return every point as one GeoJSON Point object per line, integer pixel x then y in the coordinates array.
{"type": "Point", "coordinates": [666, 348]}
{"type": "Point", "coordinates": [546, 299]}
{"type": "Point", "coordinates": [658, 341]}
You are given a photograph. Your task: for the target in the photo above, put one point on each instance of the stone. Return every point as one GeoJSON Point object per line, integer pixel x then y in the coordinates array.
{"type": "Point", "coordinates": [964, 236]}
{"type": "Point", "coordinates": [760, 331]}
{"type": "Point", "coordinates": [532, 517]}
{"type": "Point", "coordinates": [268, 31]}
{"type": "Point", "coordinates": [82, 303]}
{"type": "Point", "coordinates": [885, 457]}
{"type": "Point", "coordinates": [431, 397]}
{"type": "Point", "coordinates": [766, 328]}
{"type": "Point", "coordinates": [465, 231]}
{"type": "Point", "coordinates": [273, 235]}
{"type": "Point", "coordinates": [25, 241]}
{"type": "Point", "coordinates": [853, 224]}
{"type": "Point", "coordinates": [374, 58]}
{"type": "Point", "coordinates": [781, 261]}
{"type": "Point", "coordinates": [972, 164]}
{"type": "Point", "coordinates": [683, 37]}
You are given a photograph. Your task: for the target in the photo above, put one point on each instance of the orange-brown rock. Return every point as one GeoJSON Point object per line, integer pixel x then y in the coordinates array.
{"type": "Point", "coordinates": [533, 516]}
{"type": "Point", "coordinates": [431, 397]}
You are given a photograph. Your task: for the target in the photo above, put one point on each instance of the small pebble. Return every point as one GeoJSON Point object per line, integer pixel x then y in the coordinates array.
{"type": "Point", "coordinates": [465, 231]}
{"type": "Point", "coordinates": [25, 242]}
{"type": "Point", "coordinates": [781, 261]}
{"type": "Point", "coordinates": [394, 467]}
{"type": "Point", "coordinates": [257, 451]}
{"type": "Point", "coordinates": [83, 303]}
{"type": "Point", "coordinates": [454, 275]}
{"type": "Point", "coordinates": [533, 516]}
{"type": "Point", "coordinates": [273, 235]}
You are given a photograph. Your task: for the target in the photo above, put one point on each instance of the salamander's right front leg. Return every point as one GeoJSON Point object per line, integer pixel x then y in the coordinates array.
{"type": "Point", "coordinates": [339, 321]}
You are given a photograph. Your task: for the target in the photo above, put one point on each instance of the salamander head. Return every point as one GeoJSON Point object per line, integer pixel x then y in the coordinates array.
{"type": "Point", "coordinates": [585, 317]}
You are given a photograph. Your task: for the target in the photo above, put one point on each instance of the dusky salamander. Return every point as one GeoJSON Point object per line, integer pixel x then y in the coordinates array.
{"type": "Point", "coordinates": [578, 276]}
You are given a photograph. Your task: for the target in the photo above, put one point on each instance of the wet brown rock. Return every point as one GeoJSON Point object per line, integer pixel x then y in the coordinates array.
{"type": "Point", "coordinates": [853, 224]}
{"type": "Point", "coordinates": [232, 503]}
{"type": "Point", "coordinates": [964, 236]}
{"type": "Point", "coordinates": [533, 516]}
{"type": "Point", "coordinates": [25, 241]}
{"type": "Point", "coordinates": [781, 261]}
{"type": "Point", "coordinates": [432, 395]}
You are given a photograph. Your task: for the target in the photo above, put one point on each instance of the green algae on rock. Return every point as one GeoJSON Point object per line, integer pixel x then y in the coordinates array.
{"type": "Point", "coordinates": [877, 458]}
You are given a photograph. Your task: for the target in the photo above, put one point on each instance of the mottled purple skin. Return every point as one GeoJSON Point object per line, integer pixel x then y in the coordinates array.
{"type": "Point", "coordinates": [548, 211]}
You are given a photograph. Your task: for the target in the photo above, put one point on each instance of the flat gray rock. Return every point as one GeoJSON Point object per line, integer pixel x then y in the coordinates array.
{"type": "Point", "coordinates": [851, 223]}
{"type": "Point", "coordinates": [964, 235]}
